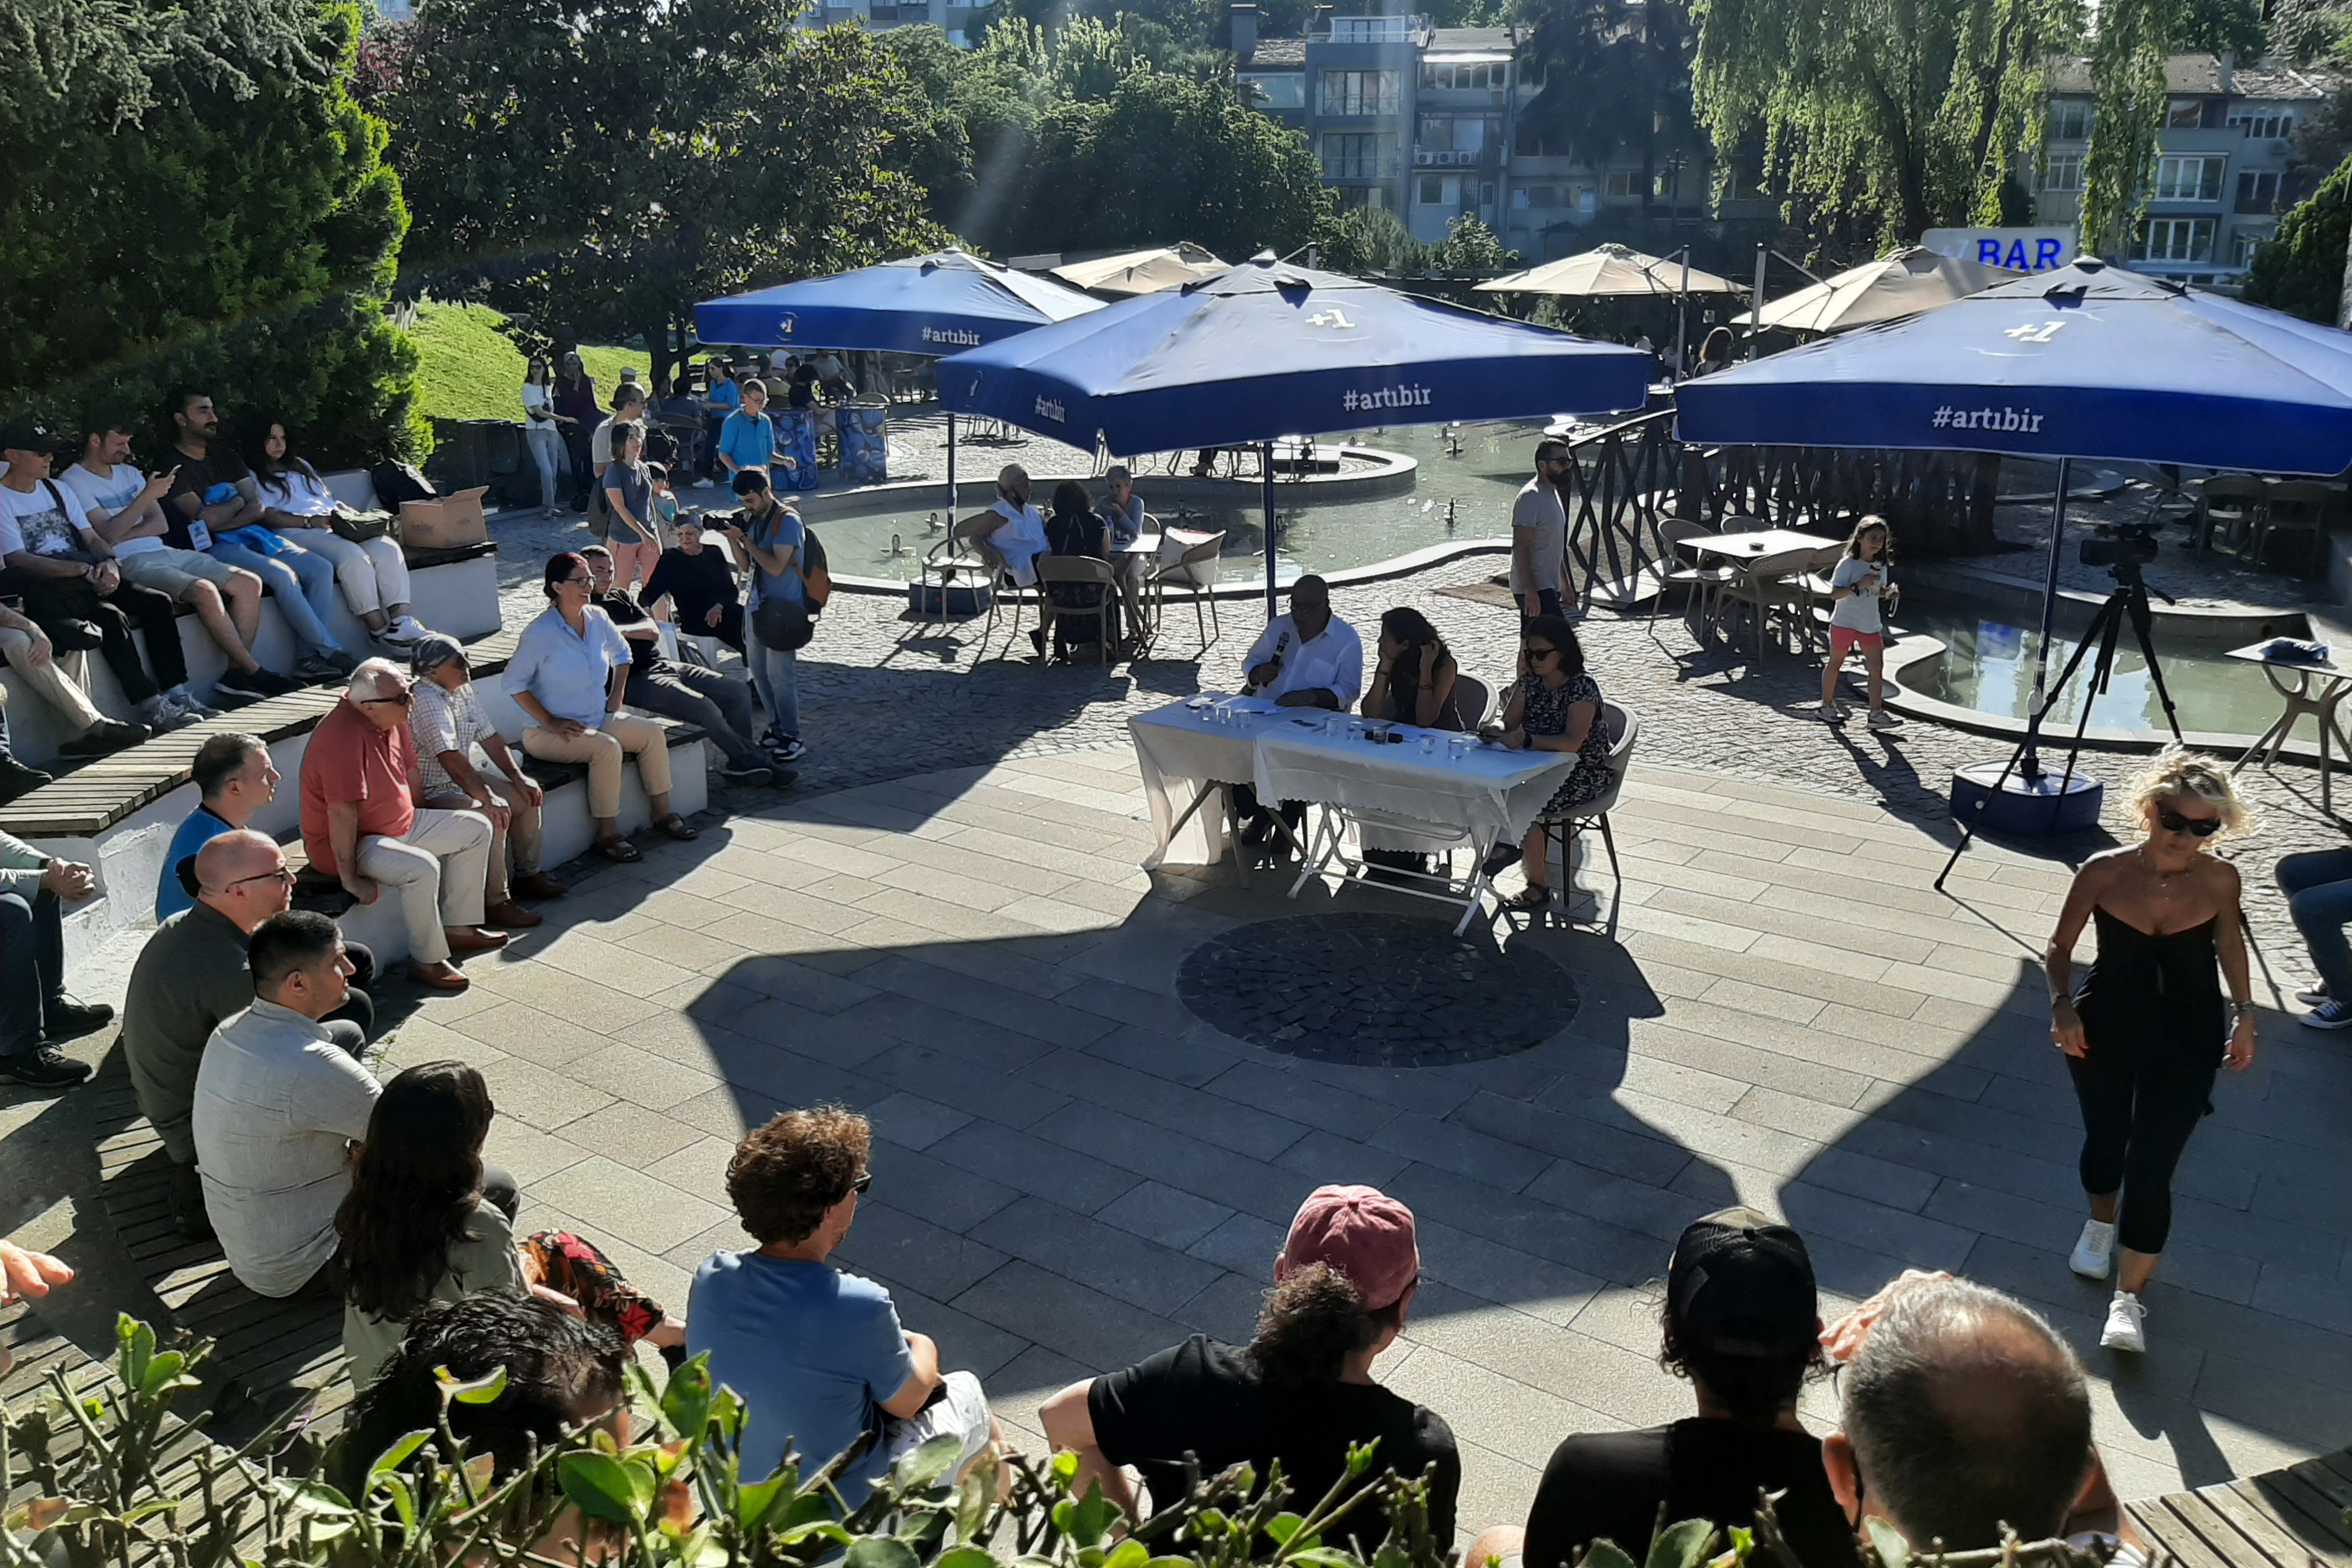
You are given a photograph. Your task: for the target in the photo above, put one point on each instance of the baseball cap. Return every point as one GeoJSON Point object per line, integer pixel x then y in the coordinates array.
{"type": "Point", "coordinates": [1364, 1233]}
{"type": "Point", "coordinates": [1741, 1284]}
{"type": "Point", "coordinates": [28, 435]}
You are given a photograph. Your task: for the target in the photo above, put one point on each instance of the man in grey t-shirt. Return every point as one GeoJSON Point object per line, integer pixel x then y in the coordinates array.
{"type": "Point", "coordinates": [1540, 536]}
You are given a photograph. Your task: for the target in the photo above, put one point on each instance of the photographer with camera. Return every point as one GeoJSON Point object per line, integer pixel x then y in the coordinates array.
{"type": "Point", "coordinates": [1860, 584]}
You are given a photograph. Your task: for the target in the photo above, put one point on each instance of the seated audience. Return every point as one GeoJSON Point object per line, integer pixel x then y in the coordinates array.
{"type": "Point", "coordinates": [816, 1353]}
{"type": "Point", "coordinates": [235, 779]}
{"type": "Point", "coordinates": [374, 572]}
{"type": "Point", "coordinates": [279, 1103]}
{"type": "Point", "coordinates": [33, 657]}
{"type": "Point", "coordinates": [1011, 535]}
{"type": "Point", "coordinates": [719, 704]}
{"type": "Point", "coordinates": [699, 583]}
{"type": "Point", "coordinates": [15, 778]}
{"type": "Point", "coordinates": [1076, 531]}
{"type": "Point", "coordinates": [427, 1221]}
{"type": "Point", "coordinates": [571, 674]}
{"type": "Point", "coordinates": [1964, 1413]}
{"type": "Point", "coordinates": [767, 537]}
{"type": "Point", "coordinates": [362, 825]}
{"type": "Point", "coordinates": [1124, 511]}
{"type": "Point", "coordinates": [448, 730]}
{"type": "Point", "coordinates": [1298, 1393]}
{"type": "Point", "coordinates": [214, 505]}
{"type": "Point", "coordinates": [1742, 1322]}
{"type": "Point", "coordinates": [125, 509]}
{"type": "Point", "coordinates": [191, 977]}
{"type": "Point", "coordinates": [2318, 884]}
{"type": "Point", "coordinates": [73, 590]}
{"type": "Point", "coordinates": [1307, 658]}
{"type": "Point", "coordinates": [37, 1015]}
{"type": "Point", "coordinates": [632, 533]}
{"type": "Point", "coordinates": [1555, 706]}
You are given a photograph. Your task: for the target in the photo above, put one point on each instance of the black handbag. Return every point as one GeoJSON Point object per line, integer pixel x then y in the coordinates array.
{"type": "Point", "coordinates": [780, 624]}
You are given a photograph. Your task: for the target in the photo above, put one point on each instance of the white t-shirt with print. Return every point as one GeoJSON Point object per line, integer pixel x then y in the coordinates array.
{"type": "Point", "coordinates": [1859, 610]}
{"type": "Point", "coordinates": [47, 522]}
{"type": "Point", "coordinates": [118, 487]}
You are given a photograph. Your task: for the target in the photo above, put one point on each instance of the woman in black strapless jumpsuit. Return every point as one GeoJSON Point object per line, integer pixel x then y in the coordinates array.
{"type": "Point", "coordinates": [2149, 1027]}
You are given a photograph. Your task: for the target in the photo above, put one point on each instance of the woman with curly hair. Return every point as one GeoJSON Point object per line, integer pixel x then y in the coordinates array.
{"type": "Point", "coordinates": [2147, 1029]}
{"type": "Point", "coordinates": [416, 1228]}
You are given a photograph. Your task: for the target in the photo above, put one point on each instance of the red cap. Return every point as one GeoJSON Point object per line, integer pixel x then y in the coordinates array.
{"type": "Point", "coordinates": [1364, 1233]}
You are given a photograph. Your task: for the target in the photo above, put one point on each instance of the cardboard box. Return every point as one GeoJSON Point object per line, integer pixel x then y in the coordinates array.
{"type": "Point", "coordinates": [446, 522]}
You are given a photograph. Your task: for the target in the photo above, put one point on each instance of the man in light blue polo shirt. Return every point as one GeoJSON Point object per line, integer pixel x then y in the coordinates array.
{"type": "Point", "coordinates": [747, 437]}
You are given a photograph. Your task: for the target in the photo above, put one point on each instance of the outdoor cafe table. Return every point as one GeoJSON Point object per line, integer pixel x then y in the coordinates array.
{"type": "Point", "coordinates": [1750, 546]}
{"type": "Point", "coordinates": [2319, 687]}
{"type": "Point", "coordinates": [1204, 746]}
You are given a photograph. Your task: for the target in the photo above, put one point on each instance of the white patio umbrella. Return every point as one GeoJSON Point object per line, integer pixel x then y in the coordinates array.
{"type": "Point", "coordinates": [1887, 289]}
{"type": "Point", "coordinates": [1613, 269]}
{"type": "Point", "coordinates": [1142, 271]}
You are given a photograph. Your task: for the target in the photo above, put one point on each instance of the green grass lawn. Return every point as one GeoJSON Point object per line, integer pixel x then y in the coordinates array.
{"type": "Point", "coordinates": [470, 370]}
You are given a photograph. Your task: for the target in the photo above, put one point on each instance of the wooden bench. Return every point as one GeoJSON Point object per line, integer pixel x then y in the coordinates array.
{"type": "Point", "coordinates": [2291, 1517]}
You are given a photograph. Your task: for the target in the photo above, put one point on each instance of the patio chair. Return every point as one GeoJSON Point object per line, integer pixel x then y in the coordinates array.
{"type": "Point", "coordinates": [1471, 699]}
{"type": "Point", "coordinates": [1193, 573]}
{"type": "Point", "coordinates": [2231, 502]}
{"type": "Point", "coordinates": [2296, 508]}
{"type": "Point", "coordinates": [1699, 584]}
{"type": "Point", "coordinates": [1765, 585]}
{"type": "Point", "coordinates": [1744, 525]}
{"type": "Point", "coordinates": [1563, 829]}
{"type": "Point", "coordinates": [1816, 579]}
{"type": "Point", "coordinates": [1087, 570]}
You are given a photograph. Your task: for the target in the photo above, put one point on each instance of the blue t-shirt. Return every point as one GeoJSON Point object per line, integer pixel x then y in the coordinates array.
{"type": "Point", "coordinates": [727, 395]}
{"type": "Point", "coordinates": [812, 1350]}
{"type": "Point", "coordinates": [748, 439]}
{"type": "Point", "coordinates": [200, 830]}
{"type": "Point", "coordinates": [782, 531]}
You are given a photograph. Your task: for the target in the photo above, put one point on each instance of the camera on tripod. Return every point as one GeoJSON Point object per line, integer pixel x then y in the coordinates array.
{"type": "Point", "coordinates": [2121, 544]}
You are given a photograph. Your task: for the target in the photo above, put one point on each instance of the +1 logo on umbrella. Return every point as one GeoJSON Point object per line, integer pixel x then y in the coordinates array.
{"type": "Point", "coordinates": [2033, 334]}
{"type": "Point", "coordinates": [1331, 316]}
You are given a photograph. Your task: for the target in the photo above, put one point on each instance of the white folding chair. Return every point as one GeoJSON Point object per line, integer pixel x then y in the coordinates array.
{"type": "Point", "coordinates": [1194, 572]}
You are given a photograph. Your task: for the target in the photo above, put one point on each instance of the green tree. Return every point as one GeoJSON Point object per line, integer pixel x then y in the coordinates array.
{"type": "Point", "coordinates": [1469, 245]}
{"type": "Point", "coordinates": [1614, 74]}
{"type": "Point", "coordinates": [2301, 270]}
{"type": "Point", "coordinates": [603, 174]}
{"type": "Point", "coordinates": [193, 195]}
{"type": "Point", "coordinates": [1370, 239]}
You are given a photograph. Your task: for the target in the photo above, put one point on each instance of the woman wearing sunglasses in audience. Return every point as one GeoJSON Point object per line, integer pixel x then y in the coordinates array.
{"type": "Point", "coordinates": [2148, 1029]}
{"type": "Point", "coordinates": [1555, 706]}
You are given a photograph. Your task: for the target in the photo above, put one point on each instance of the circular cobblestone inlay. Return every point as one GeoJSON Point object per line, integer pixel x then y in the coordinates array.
{"type": "Point", "coordinates": [1376, 990]}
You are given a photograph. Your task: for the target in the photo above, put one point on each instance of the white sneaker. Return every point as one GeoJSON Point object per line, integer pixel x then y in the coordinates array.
{"type": "Point", "coordinates": [193, 706]}
{"type": "Point", "coordinates": [404, 629]}
{"type": "Point", "coordinates": [2094, 1253]}
{"type": "Point", "coordinates": [2126, 1326]}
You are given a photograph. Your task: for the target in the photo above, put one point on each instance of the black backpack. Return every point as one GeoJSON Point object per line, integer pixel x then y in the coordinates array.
{"type": "Point", "coordinates": [397, 482]}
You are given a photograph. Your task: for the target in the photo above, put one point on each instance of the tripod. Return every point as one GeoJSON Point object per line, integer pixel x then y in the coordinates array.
{"type": "Point", "coordinates": [2128, 603]}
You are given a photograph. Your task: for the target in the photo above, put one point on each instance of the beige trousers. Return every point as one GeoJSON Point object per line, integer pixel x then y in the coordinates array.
{"type": "Point", "coordinates": [436, 869]}
{"type": "Point", "coordinates": [520, 834]}
{"type": "Point", "coordinates": [605, 750]}
{"type": "Point", "coordinates": [50, 682]}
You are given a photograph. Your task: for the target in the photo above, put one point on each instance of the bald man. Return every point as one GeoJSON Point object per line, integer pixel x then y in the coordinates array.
{"type": "Point", "coordinates": [191, 975]}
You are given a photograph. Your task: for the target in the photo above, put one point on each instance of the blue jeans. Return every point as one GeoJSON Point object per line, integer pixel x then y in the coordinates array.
{"type": "Point", "coordinates": [302, 583]}
{"type": "Point", "coordinates": [775, 675]}
{"type": "Point", "coordinates": [2319, 889]}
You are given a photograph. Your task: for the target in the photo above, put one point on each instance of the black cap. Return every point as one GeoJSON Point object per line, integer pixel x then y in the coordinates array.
{"type": "Point", "coordinates": [29, 435]}
{"type": "Point", "coordinates": [1742, 1284]}
{"type": "Point", "coordinates": [750, 481]}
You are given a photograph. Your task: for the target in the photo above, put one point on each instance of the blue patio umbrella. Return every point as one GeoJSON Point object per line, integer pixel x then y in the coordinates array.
{"type": "Point", "coordinates": [938, 304]}
{"type": "Point", "coordinates": [2088, 361]}
{"type": "Point", "coordinates": [1268, 349]}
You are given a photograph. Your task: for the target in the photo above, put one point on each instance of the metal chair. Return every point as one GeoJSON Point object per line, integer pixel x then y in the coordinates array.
{"type": "Point", "coordinates": [2296, 508]}
{"type": "Point", "coordinates": [1471, 701]}
{"type": "Point", "coordinates": [1194, 572]}
{"type": "Point", "coordinates": [1090, 570]}
{"type": "Point", "coordinates": [1763, 585]}
{"type": "Point", "coordinates": [2233, 503]}
{"type": "Point", "coordinates": [1699, 584]}
{"type": "Point", "coordinates": [1563, 828]}
{"type": "Point", "coordinates": [1819, 593]}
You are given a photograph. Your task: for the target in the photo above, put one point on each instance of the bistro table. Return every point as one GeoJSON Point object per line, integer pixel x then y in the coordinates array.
{"type": "Point", "coordinates": [1751, 546]}
{"type": "Point", "coordinates": [1445, 784]}
{"type": "Point", "coordinates": [2318, 688]}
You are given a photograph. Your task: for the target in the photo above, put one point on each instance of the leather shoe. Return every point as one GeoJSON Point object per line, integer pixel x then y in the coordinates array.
{"type": "Point", "coordinates": [512, 916]}
{"type": "Point", "coordinates": [66, 1018]}
{"type": "Point", "coordinates": [538, 885]}
{"type": "Point", "coordinates": [474, 939]}
{"type": "Point", "coordinates": [443, 977]}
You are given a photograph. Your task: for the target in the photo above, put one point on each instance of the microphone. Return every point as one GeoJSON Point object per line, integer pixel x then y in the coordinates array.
{"type": "Point", "coordinates": [1281, 645]}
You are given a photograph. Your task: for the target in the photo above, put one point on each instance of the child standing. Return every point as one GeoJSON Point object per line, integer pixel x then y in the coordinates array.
{"type": "Point", "coordinates": [1858, 589]}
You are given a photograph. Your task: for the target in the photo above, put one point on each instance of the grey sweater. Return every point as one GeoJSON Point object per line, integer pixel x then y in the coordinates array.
{"type": "Point", "coordinates": [190, 979]}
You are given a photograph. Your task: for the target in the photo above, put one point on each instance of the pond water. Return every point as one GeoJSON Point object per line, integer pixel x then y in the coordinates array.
{"type": "Point", "coordinates": [1989, 667]}
{"type": "Point", "coordinates": [1463, 493]}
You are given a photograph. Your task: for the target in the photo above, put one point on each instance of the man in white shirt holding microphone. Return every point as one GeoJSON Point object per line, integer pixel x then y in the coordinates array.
{"type": "Point", "coordinates": [1307, 658]}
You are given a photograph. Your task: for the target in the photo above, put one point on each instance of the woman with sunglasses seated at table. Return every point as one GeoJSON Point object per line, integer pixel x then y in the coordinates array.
{"type": "Point", "coordinates": [1554, 707]}
{"type": "Point", "coordinates": [2146, 1031]}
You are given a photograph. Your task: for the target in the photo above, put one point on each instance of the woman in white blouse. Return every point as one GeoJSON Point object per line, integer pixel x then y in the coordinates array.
{"type": "Point", "coordinates": [542, 431]}
{"type": "Point", "coordinates": [373, 573]}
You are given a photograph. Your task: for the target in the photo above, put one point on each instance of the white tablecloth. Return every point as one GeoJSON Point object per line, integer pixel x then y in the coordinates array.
{"type": "Point", "coordinates": [1294, 753]}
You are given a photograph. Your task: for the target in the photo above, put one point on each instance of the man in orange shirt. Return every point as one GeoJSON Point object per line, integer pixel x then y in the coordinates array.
{"type": "Point", "coordinates": [360, 824]}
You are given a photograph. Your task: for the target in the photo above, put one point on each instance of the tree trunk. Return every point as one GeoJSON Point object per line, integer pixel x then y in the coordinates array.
{"type": "Point", "coordinates": [2344, 290]}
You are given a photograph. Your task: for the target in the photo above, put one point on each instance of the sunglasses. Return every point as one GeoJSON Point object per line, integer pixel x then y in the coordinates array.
{"type": "Point", "coordinates": [1543, 653]}
{"type": "Point", "coordinates": [406, 698]}
{"type": "Point", "coordinates": [2202, 827]}
{"type": "Point", "coordinates": [862, 1182]}
{"type": "Point", "coordinates": [281, 874]}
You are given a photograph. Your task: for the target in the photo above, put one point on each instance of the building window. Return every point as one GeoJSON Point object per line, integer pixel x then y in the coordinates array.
{"type": "Point", "coordinates": [1628, 183]}
{"type": "Point", "coordinates": [2189, 179]}
{"type": "Point", "coordinates": [2063, 172]}
{"type": "Point", "coordinates": [2257, 192]}
{"type": "Point", "coordinates": [2243, 246]}
{"type": "Point", "coordinates": [2185, 114]}
{"type": "Point", "coordinates": [1279, 90]}
{"type": "Point", "coordinates": [1352, 197]}
{"type": "Point", "coordinates": [2263, 125]}
{"type": "Point", "coordinates": [1374, 30]}
{"type": "Point", "coordinates": [2175, 239]}
{"type": "Point", "coordinates": [1359, 94]}
{"type": "Point", "coordinates": [1359, 154]}
{"type": "Point", "coordinates": [2070, 120]}
{"type": "Point", "coordinates": [1539, 197]}
{"type": "Point", "coordinates": [1485, 193]}
{"type": "Point", "coordinates": [1482, 77]}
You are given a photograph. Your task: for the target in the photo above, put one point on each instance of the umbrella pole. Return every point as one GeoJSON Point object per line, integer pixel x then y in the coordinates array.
{"type": "Point", "coordinates": [1755, 308]}
{"type": "Point", "coordinates": [2030, 764]}
{"type": "Point", "coordinates": [1681, 320]}
{"type": "Point", "coordinates": [1265, 462]}
{"type": "Point", "coordinates": [951, 484]}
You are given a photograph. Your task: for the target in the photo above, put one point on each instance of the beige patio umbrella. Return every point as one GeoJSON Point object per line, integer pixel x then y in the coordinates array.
{"type": "Point", "coordinates": [1142, 271]}
{"type": "Point", "coordinates": [1611, 269]}
{"type": "Point", "coordinates": [1887, 289]}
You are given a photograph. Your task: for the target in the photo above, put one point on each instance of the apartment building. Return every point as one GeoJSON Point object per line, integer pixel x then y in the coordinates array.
{"type": "Point", "coordinates": [2226, 164]}
{"type": "Point", "coordinates": [953, 17]}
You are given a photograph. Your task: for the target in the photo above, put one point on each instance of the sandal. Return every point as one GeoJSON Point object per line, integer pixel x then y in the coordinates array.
{"type": "Point", "coordinates": [675, 826]}
{"type": "Point", "coordinates": [1534, 896]}
{"type": "Point", "coordinates": [619, 851]}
